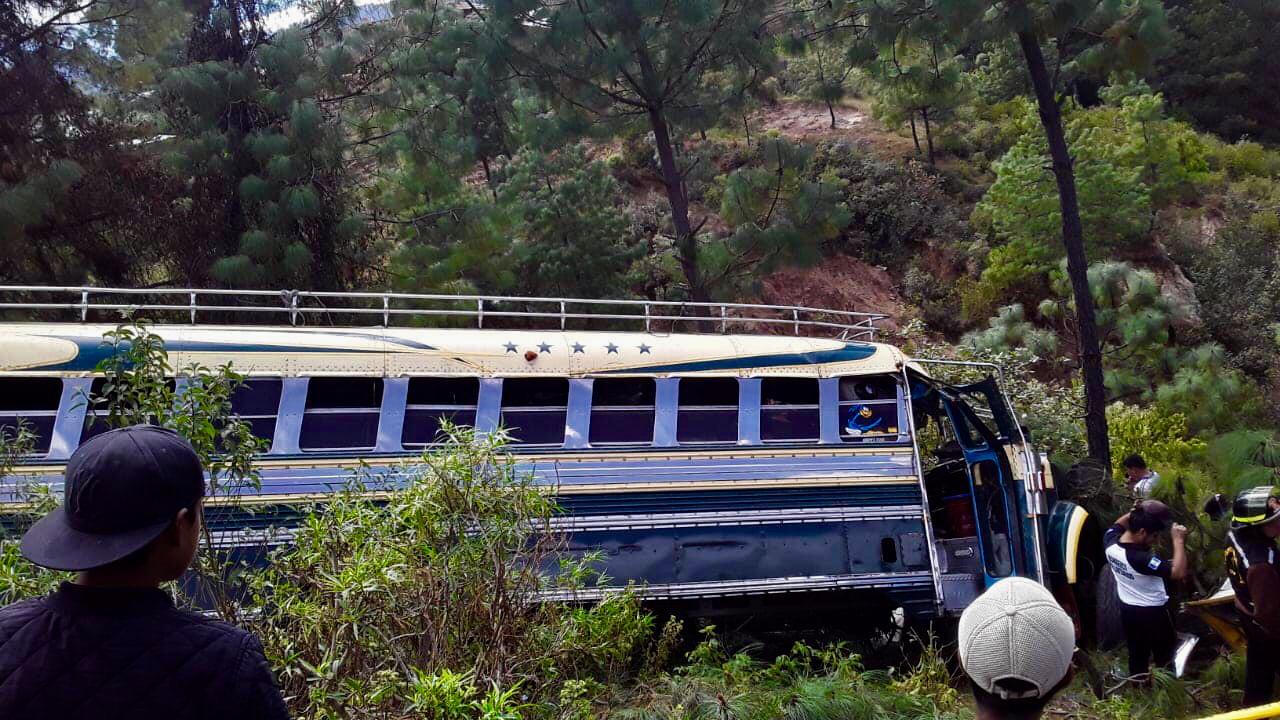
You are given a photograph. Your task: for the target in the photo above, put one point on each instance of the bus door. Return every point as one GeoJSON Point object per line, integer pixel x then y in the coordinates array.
{"type": "Point", "coordinates": [995, 503]}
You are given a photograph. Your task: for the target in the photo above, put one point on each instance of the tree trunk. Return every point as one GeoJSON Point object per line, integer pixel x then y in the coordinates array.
{"type": "Point", "coordinates": [746, 125]}
{"type": "Point", "coordinates": [832, 110]}
{"type": "Point", "coordinates": [1077, 264]}
{"type": "Point", "coordinates": [914, 137]}
{"type": "Point", "coordinates": [928, 133]}
{"type": "Point", "coordinates": [686, 243]}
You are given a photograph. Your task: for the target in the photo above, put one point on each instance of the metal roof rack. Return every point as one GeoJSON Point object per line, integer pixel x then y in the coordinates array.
{"type": "Point", "coordinates": [299, 307]}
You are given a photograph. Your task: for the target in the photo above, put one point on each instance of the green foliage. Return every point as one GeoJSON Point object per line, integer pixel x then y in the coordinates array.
{"type": "Point", "coordinates": [1237, 280]}
{"type": "Point", "coordinates": [31, 201]}
{"type": "Point", "coordinates": [1160, 438]}
{"type": "Point", "coordinates": [918, 81]}
{"type": "Point", "coordinates": [18, 578]}
{"type": "Point", "coordinates": [1222, 67]}
{"type": "Point", "coordinates": [605, 64]}
{"type": "Point", "coordinates": [1171, 157]}
{"type": "Point", "coordinates": [1245, 459]}
{"type": "Point", "coordinates": [137, 389]}
{"type": "Point", "coordinates": [1010, 328]}
{"type": "Point", "coordinates": [807, 682]}
{"type": "Point", "coordinates": [1021, 209]}
{"type": "Point", "coordinates": [778, 213]}
{"type": "Point", "coordinates": [898, 211]}
{"type": "Point", "coordinates": [1213, 396]}
{"type": "Point", "coordinates": [999, 72]}
{"type": "Point", "coordinates": [1050, 412]}
{"type": "Point", "coordinates": [261, 128]}
{"type": "Point", "coordinates": [1134, 321]}
{"type": "Point", "coordinates": [571, 234]}
{"type": "Point", "coordinates": [822, 71]}
{"type": "Point", "coordinates": [555, 226]}
{"type": "Point", "coordinates": [415, 604]}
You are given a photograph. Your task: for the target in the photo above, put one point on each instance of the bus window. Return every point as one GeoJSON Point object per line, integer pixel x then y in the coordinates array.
{"type": "Point", "coordinates": [789, 409]}
{"type": "Point", "coordinates": [708, 411]}
{"type": "Point", "coordinates": [869, 408]}
{"type": "Point", "coordinates": [257, 402]}
{"type": "Point", "coordinates": [33, 403]}
{"type": "Point", "coordinates": [433, 399]}
{"type": "Point", "coordinates": [534, 410]}
{"type": "Point", "coordinates": [622, 411]}
{"type": "Point", "coordinates": [341, 413]}
{"type": "Point", "coordinates": [95, 413]}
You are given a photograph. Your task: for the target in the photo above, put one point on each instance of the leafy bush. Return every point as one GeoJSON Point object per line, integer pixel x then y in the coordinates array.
{"type": "Point", "coordinates": [1134, 323]}
{"type": "Point", "coordinates": [1021, 212]}
{"type": "Point", "coordinates": [1158, 436]}
{"type": "Point", "coordinates": [1050, 412]}
{"type": "Point", "coordinates": [1237, 280]}
{"type": "Point", "coordinates": [897, 210]}
{"type": "Point", "coordinates": [1244, 159]}
{"type": "Point", "coordinates": [1214, 398]}
{"type": "Point", "coordinates": [434, 597]}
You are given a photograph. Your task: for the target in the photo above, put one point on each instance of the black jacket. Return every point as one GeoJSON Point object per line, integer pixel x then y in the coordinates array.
{"type": "Point", "coordinates": [1253, 565]}
{"type": "Point", "coordinates": [128, 653]}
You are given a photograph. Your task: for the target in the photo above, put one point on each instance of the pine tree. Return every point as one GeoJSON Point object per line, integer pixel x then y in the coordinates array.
{"type": "Point", "coordinates": [778, 212]}
{"type": "Point", "coordinates": [918, 80]}
{"type": "Point", "coordinates": [80, 197]}
{"type": "Point", "coordinates": [264, 156]}
{"type": "Point", "coordinates": [607, 63]}
{"type": "Point", "coordinates": [820, 67]}
{"type": "Point", "coordinates": [1108, 34]}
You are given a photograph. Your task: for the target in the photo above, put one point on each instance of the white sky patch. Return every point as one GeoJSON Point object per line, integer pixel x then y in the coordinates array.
{"type": "Point", "coordinates": [294, 13]}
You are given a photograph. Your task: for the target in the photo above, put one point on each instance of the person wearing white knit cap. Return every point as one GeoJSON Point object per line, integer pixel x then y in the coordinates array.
{"type": "Point", "coordinates": [1015, 644]}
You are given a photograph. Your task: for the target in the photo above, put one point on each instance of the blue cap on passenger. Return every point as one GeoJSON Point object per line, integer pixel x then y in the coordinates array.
{"type": "Point", "coordinates": [123, 488]}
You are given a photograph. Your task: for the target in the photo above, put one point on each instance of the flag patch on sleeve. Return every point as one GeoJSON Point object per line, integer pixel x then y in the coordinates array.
{"type": "Point", "coordinates": [1154, 563]}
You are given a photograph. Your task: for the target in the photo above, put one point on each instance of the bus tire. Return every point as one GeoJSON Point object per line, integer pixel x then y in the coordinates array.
{"type": "Point", "coordinates": [1110, 628]}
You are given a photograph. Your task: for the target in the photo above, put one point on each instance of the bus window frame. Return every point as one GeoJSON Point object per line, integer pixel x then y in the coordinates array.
{"type": "Point", "coordinates": [736, 409]}
{"type": "Point", "coordinates": [902, 434]}
{"type": "Point", "coordinates": [410, 406]}
{"type": "Point", "coordinates": [503, 409]}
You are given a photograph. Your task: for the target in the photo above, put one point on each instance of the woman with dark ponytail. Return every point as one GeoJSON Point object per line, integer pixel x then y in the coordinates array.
{"type": "Point", "coordinates": [1140, 577]}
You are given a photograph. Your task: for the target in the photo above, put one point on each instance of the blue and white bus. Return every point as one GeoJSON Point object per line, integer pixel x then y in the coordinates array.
{"type": "Point", "coordinates": [705, 452]}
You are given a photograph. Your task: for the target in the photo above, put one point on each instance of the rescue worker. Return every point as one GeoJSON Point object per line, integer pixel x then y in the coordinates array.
{"type": "Point", "coordinates": [1140, 577]}
{"type": "Point", "coordinates": [1251, 561]}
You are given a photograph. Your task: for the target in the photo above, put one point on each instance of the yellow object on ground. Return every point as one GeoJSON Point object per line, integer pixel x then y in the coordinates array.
{"type": "Point", "coordinates": [1217, 611]}
{"type": "Point", "coordinates": [1254, 713]}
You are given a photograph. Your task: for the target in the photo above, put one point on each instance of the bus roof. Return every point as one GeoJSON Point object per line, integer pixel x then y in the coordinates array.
{"type": "Point", "coordinates": [75, 349]}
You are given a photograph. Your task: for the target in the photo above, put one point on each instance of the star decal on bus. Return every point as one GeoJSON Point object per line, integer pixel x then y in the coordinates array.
{"type": "Point", "coordinates": [611, 349]}
{"type": "Point", "coordinates": [645, 349]}
{"type": "Point", "coordinates": [544, 348]}
{"type": "Point", "coordinates": [578, 348]}
{"type": "Point", "coordinates": [511, 347]}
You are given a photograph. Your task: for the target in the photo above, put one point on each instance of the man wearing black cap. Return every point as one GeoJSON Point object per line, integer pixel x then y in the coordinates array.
{"type": "Point", "coordinates": [111, 644]}
{"type": "Point", "coordinates": [1140, 576]}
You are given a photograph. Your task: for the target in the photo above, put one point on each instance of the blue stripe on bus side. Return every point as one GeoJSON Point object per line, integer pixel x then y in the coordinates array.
{"type": "Point", "coordinates": [90, 352]}
{"type": "Point", "coordinates": [851, 351]}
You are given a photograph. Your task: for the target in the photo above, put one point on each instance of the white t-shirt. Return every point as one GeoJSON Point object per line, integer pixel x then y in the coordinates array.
{"type": "Point", "coordinates": [1146, 484]}
{"type": "Point", "coordinates": [1140, 574]}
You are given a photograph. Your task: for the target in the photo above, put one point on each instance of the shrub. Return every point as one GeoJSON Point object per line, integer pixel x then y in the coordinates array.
{"type": "Point", "coordinates": [435, 596]}
{"type": "Point", "coordinates": [1244, 159]}
{"type": "Point", "coordinates": [897, 210]}
{"type": "Point", "coordinates": [1160, 437]}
